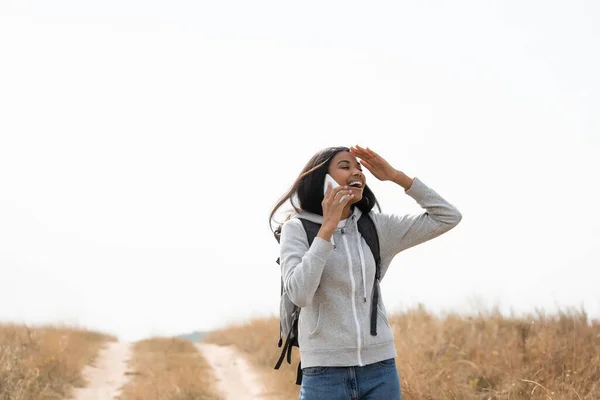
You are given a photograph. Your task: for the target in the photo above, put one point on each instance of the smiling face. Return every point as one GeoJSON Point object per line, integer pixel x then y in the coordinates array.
{"type": "Point", "coordinates": [347, 171]}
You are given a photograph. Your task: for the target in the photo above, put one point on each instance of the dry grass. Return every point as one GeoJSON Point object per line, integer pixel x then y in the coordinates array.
{"type": "Point", "coordinates": [43, 363]}
{"type": "Point", "coordinates": [486, 357]}
{"type": "Point", "coordinates": [169, 369]}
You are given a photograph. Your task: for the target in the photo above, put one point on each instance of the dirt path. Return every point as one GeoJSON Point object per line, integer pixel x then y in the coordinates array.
{"type": "Point", "coordinates": [236, 379]}
{"type": "Point", "coordinates": [107, 377]}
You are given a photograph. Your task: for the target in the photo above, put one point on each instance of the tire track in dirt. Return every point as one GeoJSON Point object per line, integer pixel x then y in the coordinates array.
{"type": "Point", "coordinates": [236, 379]}
{"type": "Point", "coordinates": [107, 377]}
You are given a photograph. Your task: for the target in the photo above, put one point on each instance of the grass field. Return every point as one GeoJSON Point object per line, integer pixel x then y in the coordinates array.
{"type": "Point", "coordinates": [43, 363]}
{"type": "Point", "coordinates": [169, 368]}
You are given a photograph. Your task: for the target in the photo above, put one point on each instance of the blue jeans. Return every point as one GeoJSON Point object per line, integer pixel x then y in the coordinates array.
{"type": "Point", "coordinates": [378, 381]}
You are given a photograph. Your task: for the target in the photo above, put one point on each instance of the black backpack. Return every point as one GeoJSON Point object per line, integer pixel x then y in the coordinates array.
{"type": "Point", "coordinates": [289, 312]}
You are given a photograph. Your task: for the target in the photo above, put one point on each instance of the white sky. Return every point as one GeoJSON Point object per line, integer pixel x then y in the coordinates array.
{"type": "Point", "coordinates": [142, 145]}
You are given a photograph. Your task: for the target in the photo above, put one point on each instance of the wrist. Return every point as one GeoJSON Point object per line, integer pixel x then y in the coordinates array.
{"type": "Point", "coordinates": [326, 231]}
{"type": "Point", "coordinates": [402, 179]}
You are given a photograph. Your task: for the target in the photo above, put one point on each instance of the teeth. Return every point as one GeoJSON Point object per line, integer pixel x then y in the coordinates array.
{"type": "Point", "coordinates": [356, 183]}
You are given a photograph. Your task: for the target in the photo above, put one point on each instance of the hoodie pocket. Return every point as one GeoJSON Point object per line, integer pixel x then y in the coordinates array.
{"type": "Point", "coordinates": [384, 330]}
{"type": "Point", "coordinates": [383, 316]}
{"type": "Point", "coordinates": [317, 325]}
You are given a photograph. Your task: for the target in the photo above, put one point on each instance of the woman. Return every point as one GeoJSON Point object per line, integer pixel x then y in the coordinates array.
{"type": "Point", "coordinates": [341, 358]}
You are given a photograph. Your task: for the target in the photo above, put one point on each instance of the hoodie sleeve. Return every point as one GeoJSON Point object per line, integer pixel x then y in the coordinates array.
{"type": "Point", "coordinates": [301, 266]}
{"type": "Point", "coordinates": [400, 232]}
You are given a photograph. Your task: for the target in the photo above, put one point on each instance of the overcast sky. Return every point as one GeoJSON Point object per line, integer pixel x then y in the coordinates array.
{"type": "Point", "coordinates": [143, 144]}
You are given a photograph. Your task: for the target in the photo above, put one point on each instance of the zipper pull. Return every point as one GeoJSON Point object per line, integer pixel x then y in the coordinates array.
{"type": "Point", "coordinates": [365, 299]}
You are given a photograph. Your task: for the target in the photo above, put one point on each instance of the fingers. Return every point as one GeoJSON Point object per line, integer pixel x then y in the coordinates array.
{"type": "Point", "coordinates": [366, 164]}
{"type": "Point", "coordinates": [340, 188]}
{"type": "Point", "coordinates": [374, 155]}
{"type": "Point", "coordinates": [341, 192]}
{"type": "Point", "coordinates": [328, 190]}
{"type": "Point", "coordinates": [361, 150]}
{"type": "Point", "coordinates": [332, 193]}
{"type": "Point", "coordinates": [338, 195]}
{"type": "Point", "coordinates": [345, 200]}
{"type": "Point", "coordinates": [365, 153]}
{"type": "Point", "coordinates": [358, 151]}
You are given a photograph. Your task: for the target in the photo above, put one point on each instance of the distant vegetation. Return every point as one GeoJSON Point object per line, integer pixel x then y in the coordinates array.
{"type": "Point", "coordinates": [43, 363]}
{"type": "Point", "coordinates": [483, 357]}
{"type": "Point", "coordinates": [169, 368]}
{"type": "Point", "coordinates": [194, 337]}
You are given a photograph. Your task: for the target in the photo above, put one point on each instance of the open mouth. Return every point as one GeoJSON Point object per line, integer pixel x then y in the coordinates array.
{"type": "Point", "coordinates": [356, 185]}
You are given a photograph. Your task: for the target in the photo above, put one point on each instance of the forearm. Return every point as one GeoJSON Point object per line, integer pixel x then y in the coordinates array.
{"type": "Point", "coordinates": [301, 279]}
{"type": "Point", "coordinates": [400, 232]}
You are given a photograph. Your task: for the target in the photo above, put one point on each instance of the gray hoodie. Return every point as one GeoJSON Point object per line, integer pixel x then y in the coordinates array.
{"type": "Point", "coordinates": [332, 281]}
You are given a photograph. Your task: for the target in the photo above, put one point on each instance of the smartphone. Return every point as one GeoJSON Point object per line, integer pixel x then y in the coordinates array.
{"type": "Point", "coordinates": [334, 184]}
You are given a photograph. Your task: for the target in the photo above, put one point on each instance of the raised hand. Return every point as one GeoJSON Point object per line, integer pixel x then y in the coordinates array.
{"type": "Point", "coordinates": [376, 164]}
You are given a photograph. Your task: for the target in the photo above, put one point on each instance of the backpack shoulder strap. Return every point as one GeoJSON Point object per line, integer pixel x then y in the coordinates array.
{"type": "Point", "coordinates": [367, 229]}
{"type": "Point", "coordinates": [311, 229]}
